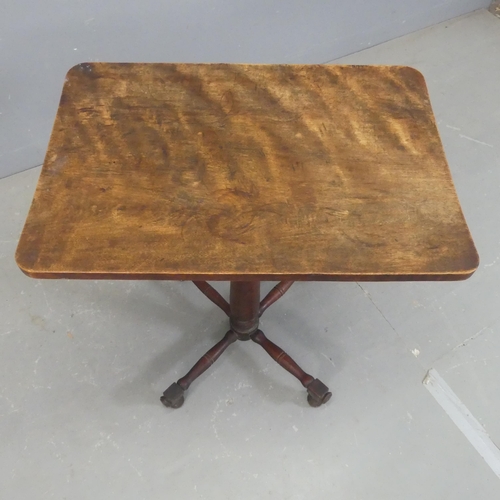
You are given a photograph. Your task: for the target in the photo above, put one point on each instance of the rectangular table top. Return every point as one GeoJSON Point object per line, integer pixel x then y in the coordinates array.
{"type": "Point", "coordinates": [242, 172]}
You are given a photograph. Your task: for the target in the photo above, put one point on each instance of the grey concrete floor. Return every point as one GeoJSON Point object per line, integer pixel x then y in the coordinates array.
{"type": "Point", "coordinates": [82, 363]}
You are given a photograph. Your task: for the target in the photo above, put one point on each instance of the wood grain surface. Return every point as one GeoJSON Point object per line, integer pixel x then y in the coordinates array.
{"type": "Point", "coordinates": [243, 172]}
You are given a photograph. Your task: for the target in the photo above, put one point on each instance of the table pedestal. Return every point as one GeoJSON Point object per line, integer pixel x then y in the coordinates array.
{"type": "Point", "coordinates": [244, 310]}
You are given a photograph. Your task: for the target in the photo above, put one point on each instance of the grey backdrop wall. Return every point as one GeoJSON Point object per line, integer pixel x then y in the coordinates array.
{"type": "Point", "coordinates": [41, 40]}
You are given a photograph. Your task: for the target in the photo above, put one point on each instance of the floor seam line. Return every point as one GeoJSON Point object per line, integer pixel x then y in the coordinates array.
{"type": "Point", "coordinates": [367, 294]}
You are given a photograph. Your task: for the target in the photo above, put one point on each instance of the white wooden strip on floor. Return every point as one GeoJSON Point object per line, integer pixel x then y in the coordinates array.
{"type": "Point", "coordinates": [463, 419]}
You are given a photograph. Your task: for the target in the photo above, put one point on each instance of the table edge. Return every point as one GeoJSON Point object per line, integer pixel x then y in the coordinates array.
{"type": "Point", "coordinates": [451, 276]}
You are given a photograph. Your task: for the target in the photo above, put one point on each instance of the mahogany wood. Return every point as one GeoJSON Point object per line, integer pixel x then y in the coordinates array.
{"type": "Point", "coordinates": [245, 172]}
{"type": "Point", "coordinates": [173, 397]}
{"type": "Point", "coordinates": [282, 358]}
{"type": "Point", "coordinates": [244, 319]}
{"type": "Point", "coordinates": [276, 293]}
{"type": "Point", "coordinates": [213, 295]}
{"type": "Point", "coordinates": [245, 305]}
{"type": "Point", "coordinates": [207, 360]}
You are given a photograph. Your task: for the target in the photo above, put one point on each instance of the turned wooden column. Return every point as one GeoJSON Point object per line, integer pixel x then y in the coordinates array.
{"type": "Point", "coordinates": [244, 300]}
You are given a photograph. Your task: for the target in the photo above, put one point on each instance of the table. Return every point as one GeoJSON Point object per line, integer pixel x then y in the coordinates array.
{"type": "Point", "coordinates": [245, 173]}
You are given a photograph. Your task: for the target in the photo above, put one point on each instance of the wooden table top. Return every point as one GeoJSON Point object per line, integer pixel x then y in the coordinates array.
{"type": "Point", "coordinates": [243, 172]}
